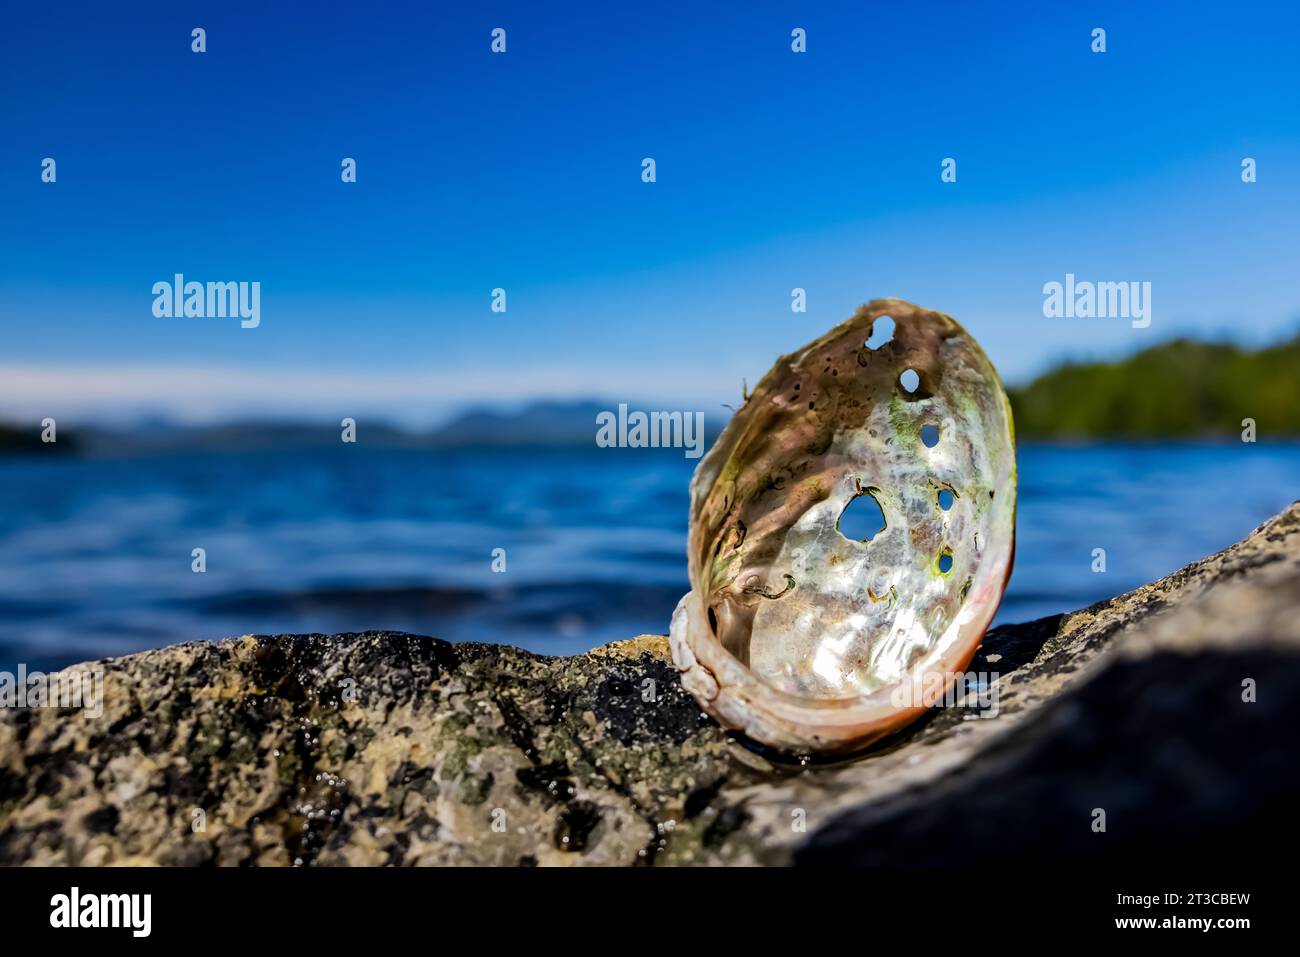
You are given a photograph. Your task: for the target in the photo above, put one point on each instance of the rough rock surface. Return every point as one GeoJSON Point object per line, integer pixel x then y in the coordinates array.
{"type": "Point", "coordinates": [395, 749]}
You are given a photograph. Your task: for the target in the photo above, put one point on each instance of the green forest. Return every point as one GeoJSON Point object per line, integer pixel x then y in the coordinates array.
{"type": "Point", "coordinates": [1179, 389]}
{"type": "Point", "coordinates": [15, 439]}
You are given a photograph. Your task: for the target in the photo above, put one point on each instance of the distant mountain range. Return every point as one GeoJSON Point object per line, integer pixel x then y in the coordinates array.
{"type": "Point", "coordinates": [1178, 389]}
{"type": "Point", "coordinates": [545, 423]}
{"type": "Point", "coordinates": [542, 424]}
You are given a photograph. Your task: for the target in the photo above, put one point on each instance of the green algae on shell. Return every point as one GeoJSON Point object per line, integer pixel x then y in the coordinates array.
{"type": "Point", "coordinates": [793, 632]}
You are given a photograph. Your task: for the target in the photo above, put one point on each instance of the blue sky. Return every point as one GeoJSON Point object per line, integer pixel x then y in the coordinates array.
{"type": "Point", "coordinates": [775, 170]}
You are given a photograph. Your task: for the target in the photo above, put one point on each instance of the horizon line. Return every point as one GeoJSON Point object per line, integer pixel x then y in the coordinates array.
{"type": "Point", "coordinates": [203, 394]}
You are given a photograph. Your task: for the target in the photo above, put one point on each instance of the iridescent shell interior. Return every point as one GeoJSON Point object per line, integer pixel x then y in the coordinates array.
{"type": "Point", "coordinates": [816, 607]}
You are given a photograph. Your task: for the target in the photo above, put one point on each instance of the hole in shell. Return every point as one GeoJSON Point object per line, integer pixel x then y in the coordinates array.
{"type": "Point", "coordinates": [882, 331]}
{"type": "Point", "coordinates": [862, 519]}
{"type": "Point", "coordinates": [946, 498]}
{"type": "Point", "coordinates": [929, 436]}
{"type": "Point", "coordinates": [945, 561]}
{"type": "Point", "coordinates": [909, 380]}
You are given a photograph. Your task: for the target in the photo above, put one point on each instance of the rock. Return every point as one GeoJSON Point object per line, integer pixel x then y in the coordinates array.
{"type": "Point", "coordinates": [382, 748]}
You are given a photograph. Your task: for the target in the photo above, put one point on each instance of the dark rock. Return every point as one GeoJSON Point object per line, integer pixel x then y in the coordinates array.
{"type": "Point", "coordinates": [381, 748]}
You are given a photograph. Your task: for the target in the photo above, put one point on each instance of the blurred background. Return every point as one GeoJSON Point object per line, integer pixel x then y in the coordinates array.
{"type": "Point", "coordinates": [522, 171]}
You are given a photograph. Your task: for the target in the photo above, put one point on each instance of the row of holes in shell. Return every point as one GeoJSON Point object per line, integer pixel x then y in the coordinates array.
{"type": "Point", "coordinates": [866, 520]}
